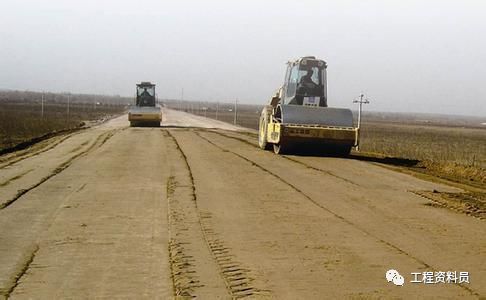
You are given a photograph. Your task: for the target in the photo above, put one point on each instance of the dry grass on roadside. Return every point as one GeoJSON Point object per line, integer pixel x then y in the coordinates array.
{"type": "Point", "coordinates": [454, 153]}
{"type": "Point", "coordinates": [464, 146]}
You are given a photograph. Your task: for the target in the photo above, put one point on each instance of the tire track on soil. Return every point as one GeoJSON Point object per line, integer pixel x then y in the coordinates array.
{"type": "Point", "coordinates": [286, 157]}
{"type": "Point", "coordinates": [340, 217]}
{"type": "Point", "coordinates": [16, 159]}
{"type": "Point", "coordinates": [18, 176]}
{"type": "Point", "coordinates": [184, 277]}
{"type": "Point", "coordinates": [472, 210]}
{"type": "Point", "coordinates": [237, 279]}
{"type": "Point", "coordinates": [100, 140]}
{"type": "Point", "coordinates": [25, 267]}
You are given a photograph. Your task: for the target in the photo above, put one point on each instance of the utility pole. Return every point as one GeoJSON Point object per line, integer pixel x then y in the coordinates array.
{"type": "Point", "coordinates": [217, 109]}
{"type": "Point", "coordinates": [236, 112]}
{"type": "Point", "coordinates": [360, 100]}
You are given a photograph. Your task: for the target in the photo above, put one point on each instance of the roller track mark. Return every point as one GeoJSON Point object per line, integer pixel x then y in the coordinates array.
{"type": "Point", "coordinates": [8, 181]}
{"type": "Point", "coordinates": [234, 138]}
{"type": "Point", "coordinates": [35, 153]}
{"type": "Point", "coordinates": [100, 140]}
{"type": "Point", "coordinates": [237, 286]}
{"type": "Point", "coordinates": [81, 188]}
{"type": "Point", "coordinates": [288, 158]}
{"type": "Point", "coordinates": [109, 136]}
{"type": "Point", "coordinates": [320, 170]}
{"type": "Point", "coordinates": [342, 218]}
{"type": "Point", "coordinates": [25, 267]}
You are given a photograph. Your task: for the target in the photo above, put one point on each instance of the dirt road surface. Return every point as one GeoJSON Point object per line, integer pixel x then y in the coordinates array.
{"type": "Point", "coordinates": [194, 208]}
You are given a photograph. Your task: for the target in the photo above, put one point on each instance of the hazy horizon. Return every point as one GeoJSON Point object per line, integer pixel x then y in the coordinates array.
{"type": "Point", "coordinates": [418, 56]}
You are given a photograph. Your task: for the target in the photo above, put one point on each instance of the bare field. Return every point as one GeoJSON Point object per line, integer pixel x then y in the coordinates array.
{"type": "Point", "coordinates": [22, 119]}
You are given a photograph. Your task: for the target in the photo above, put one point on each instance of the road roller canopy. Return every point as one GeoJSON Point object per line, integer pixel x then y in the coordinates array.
{"type": "Point", "coordinates": [305, 82]}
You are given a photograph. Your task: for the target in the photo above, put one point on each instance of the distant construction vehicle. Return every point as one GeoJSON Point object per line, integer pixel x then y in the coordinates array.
{"type": "Point", "coordinates": [298, 117]}
{"type": "Point", "coordinates": [146, 112]}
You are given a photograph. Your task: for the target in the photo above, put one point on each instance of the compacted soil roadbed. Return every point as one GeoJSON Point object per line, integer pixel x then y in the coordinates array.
{"type": "Point", "coordinates": [195, 208]}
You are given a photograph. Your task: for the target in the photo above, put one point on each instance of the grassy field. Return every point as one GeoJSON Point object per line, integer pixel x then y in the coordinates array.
{"type": "Point", "coordinates": [454, 153]}
{"type": "Point", "coordinates": [465, 146]}
{"type": "Point", "coordinates": [22, 119]}
{"type": "Point", "coordinates": [451, 147]}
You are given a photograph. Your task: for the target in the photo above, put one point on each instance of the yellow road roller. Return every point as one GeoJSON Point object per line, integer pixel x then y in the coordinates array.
{"type": "Point", "coordinates": [146, 112]}
{"type": "Point", "coordinates": [298, 117]}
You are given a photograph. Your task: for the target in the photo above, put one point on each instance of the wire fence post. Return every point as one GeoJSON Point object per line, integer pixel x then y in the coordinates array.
{"type": "Point", "coordinates": [217, 109]}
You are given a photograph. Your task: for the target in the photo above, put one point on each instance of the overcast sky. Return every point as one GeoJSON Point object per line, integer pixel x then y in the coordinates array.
{"type": "Point", "coordinates": [407, 56]}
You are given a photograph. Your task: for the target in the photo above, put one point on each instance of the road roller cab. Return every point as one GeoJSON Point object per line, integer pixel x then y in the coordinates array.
{"type": "Point", "coordinates": [305, 83]}
{"type": "Point", "coordinates": [145, 94]}
{"type": "Point", "coordinates": [145, 112]}
{"type": "Point", "coordinates": [298, 116]}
